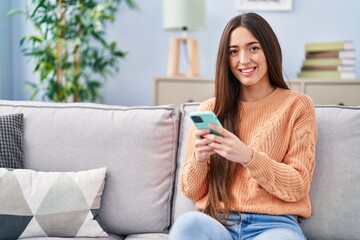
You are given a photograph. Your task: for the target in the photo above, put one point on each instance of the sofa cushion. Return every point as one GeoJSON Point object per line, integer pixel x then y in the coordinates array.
{"type": "Point", "coordinates": [11, 141]}
{"type": "Point", "coordinates": [50, 204]}
{"type": "Point", "coordinates": [110, 237]}
{"type": "Point", "coordinates": [137, 145]}
{"type": "Point", "coordinates": [335, 191]}
{"type": "Point", "coordinates": [148, 236]}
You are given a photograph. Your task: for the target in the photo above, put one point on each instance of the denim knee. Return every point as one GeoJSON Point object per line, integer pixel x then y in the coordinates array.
{"type": "Point", "coordinates": [280, 234]}
{"type": "Point", "coordinates": [199, 226]}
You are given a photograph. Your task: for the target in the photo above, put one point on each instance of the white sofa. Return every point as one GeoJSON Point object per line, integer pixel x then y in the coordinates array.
{"type": "Point", "coordinates": [143, 148]}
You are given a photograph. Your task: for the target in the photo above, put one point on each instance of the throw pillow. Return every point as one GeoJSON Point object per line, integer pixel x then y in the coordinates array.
{"type": "Point", "coordinates": [50, 204]}
{"type": "Point", "coordinates": [11, 141]}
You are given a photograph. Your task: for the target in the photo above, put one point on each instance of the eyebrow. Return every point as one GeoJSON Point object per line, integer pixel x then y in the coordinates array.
{"type": "Point", "coordinates": [248, 44]}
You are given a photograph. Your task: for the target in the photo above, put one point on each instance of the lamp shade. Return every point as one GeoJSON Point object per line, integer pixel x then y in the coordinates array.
{"type": "Point", "coordinates": [183, 14]}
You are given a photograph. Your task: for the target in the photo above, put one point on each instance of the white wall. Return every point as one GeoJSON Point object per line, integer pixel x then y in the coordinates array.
{"type": "Point", "coordinates": [140, 33]}
{"type": "Point", "coordinates": [5, 52]}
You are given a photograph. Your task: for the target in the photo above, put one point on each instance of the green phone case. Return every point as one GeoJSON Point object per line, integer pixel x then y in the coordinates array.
{"type": "Point", "coordinates": [202, 120]}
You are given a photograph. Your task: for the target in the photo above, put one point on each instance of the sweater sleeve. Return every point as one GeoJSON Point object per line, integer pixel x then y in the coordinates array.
{"type": "Point", "coordinates": [194, 178]}
{"type": "Point", "coordinates": [290, 179]}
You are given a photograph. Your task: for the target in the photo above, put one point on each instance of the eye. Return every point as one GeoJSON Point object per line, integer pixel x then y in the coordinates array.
{"type": "Point", "coordinates": [254, 48]}
{"type": "Point", "coordinates": [233, 52]}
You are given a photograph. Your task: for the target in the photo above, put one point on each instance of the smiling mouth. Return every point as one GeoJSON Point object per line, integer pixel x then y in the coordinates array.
{"type": "Point", "coordinates": [247, 71]}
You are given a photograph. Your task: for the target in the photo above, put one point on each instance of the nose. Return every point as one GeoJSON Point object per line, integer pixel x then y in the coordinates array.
{"type": "Point", "coordinates": [244, 58]}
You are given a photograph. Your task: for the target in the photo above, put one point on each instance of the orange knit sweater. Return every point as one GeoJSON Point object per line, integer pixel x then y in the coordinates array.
{"type": "Point", "coordinates": [281, 129]}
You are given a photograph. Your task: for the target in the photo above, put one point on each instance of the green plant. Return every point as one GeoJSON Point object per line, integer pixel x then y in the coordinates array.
{"type": "Point", "coordinates": [71, 55]}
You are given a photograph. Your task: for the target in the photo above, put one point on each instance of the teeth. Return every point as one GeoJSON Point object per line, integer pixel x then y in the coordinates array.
{"type": "Point", "coordinates": [247, 70]}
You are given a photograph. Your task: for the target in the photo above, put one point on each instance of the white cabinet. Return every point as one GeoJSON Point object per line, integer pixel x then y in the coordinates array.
{"type": "Point", "coordinates": [171, 90]}
{"type": "Point", "coordinates": [333, 92]}
{"type": "Point", "coordinates": [179, 90]}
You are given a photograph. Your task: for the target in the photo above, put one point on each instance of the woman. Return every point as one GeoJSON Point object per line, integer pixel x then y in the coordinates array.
{"type": "Point", "coordinates": [253, 181]}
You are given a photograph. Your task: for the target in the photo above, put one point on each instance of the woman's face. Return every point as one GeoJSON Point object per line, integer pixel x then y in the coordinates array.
{"type": "Point", "coordinates": [247, 59]}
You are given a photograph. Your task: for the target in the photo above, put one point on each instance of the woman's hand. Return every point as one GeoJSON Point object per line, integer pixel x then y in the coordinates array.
{"type": "Point", "coordinates": [202, 149]}
{"type": "Point", "coordinates": [227, 145]}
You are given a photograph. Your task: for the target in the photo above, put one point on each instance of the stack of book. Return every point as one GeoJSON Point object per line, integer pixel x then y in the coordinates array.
{"type": "Point", "coordinates": [329, 60]}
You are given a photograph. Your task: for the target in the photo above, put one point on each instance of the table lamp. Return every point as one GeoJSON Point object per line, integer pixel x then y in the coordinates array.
{"type": "Point", "coordinates": [183, 15]}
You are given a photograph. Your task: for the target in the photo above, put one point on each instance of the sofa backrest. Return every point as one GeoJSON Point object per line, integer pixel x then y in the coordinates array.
{"type": "Point", "coordinates": [181, 203]}
{"type": "Point", "coordinates": [335, 189]}
{"type": "Point", "coordinates": [137, 145]}
{"type": "Point", "coordinates": [335, 186]}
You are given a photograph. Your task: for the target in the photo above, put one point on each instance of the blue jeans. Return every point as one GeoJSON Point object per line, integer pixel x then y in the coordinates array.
{"type": "Point", "coordinates": [242, 226]}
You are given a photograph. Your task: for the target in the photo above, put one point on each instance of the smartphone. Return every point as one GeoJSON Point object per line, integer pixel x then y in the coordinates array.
{"type": "Point", "coordinates": [202, 120]}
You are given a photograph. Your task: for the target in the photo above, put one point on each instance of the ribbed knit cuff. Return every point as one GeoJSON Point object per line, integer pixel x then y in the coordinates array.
{"type": "Point", "coordinates": [199, 167]}
{"type": "Point", "coordinates": [257, 163]}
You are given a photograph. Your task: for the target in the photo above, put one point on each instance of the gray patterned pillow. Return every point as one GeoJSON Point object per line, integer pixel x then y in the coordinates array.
{"type": "Point", "coordinates": [50, 204]}
{"type": "Point", "coordinates": [11, 141]}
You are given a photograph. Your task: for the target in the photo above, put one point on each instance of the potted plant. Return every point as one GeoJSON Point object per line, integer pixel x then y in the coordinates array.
{"type": "Point", "coordinates": [69, 48]}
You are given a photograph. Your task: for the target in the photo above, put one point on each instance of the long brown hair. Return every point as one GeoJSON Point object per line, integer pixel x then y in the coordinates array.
{"type": "Point", "coordinates": [227, 99]}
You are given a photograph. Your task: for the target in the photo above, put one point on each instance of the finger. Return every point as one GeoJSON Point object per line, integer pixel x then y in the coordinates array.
{"type": "Point", "coordinates": [214, 145]}
{"type": "Point", "coordinates": [205, 152]}
{"type": "Point", "coordinates": [201, 133]}
{"type": "Point", "coordinates": [201, 142]}
{"type": "Point", "coordinates": [219, 129]}
{"type": "Point", "coordinates": [217, 147]}
{"type": "Point", "coordinates": [213, 138]}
